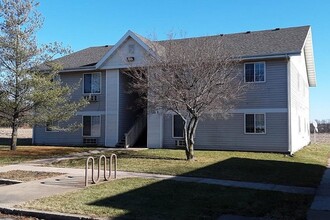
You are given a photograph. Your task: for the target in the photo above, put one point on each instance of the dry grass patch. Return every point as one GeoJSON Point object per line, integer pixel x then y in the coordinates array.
{"type": "Point", "coordinates": [26, 153]}
{"type": "Point", "coordinates": [22, 175]}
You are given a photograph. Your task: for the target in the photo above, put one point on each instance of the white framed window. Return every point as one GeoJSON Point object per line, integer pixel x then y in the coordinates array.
{"type": "Point", "coordinates": [92, 83]}
{"type": "Point", "coordinates": [51, 126]}
{"type": "Point", "coordinates": [91, 126]}
{"type": "Point", "coordinates": [177, 126]}
{"type": "Point", "coordinates": [299, 124]}
{"type": "Point", "coordinates": [255, 72]}
{"type": "Point", "coordinates": [255, 123]}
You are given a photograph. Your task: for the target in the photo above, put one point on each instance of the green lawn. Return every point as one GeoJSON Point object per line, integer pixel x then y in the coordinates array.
{"type": "Point", "coordinates": [154, 199]}
{"type": "Point", "coordinates": [305, 168]}
{"type": "Point", "coordinates": [26, 153]}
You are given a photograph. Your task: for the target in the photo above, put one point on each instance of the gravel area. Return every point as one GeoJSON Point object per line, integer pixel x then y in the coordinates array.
{"type": "Point", "coordinates": [22, 132]}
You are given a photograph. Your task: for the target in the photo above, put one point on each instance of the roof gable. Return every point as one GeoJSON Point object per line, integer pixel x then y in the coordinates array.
{"type": "Point", "coordinates": [140, 41]}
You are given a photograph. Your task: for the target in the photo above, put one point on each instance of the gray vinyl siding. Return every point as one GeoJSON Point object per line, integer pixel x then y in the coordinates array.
{"type": "Point", "coordinates": [76, 79]}
{"type": "Point", "coordinates": [127, 108]}
{"type": "Point", "coordinates": [155, 131]}
{"type": "Point", "coordinates": [229, 134]}
{"type": "Point", "coordinates": [270, 94]}
{"type": "Point", "coordinates": [74, 138]}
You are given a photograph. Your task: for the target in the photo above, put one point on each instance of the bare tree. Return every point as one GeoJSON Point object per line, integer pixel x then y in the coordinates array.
{"type": "Point", "coordinates": [194, 78]}
{"type": "Point", "coordinates": [27, 94]}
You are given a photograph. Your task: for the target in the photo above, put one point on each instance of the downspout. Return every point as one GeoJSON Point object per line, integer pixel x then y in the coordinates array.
{"type": "Point", "coordinates": [289, 104]}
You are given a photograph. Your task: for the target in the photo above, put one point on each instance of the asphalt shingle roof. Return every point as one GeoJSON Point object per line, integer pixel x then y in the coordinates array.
{"type": "Point", "coordinates": [246, 44]}
{"type": "Point", "coordinates": [83, 58]}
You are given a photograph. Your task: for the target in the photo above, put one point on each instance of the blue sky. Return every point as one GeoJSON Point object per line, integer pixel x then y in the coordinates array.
{"type": "Point", "coordinates": [84, 23]}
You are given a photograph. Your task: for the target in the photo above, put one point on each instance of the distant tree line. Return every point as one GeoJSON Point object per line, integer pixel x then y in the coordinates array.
{"type": "Point", "coordinates": [323, 126]}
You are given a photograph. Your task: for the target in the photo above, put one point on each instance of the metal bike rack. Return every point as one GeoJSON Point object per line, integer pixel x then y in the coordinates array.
{"type": "Point", "coordinates": [112, 163]}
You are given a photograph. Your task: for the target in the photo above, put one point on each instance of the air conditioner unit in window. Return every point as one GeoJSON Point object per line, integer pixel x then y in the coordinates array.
{"type": "Point", "coordinates": [90, 141]}
{"type": "Point", "coordinates": [91, 98]}
{"type": "Point", "coordinates": [179, 143]}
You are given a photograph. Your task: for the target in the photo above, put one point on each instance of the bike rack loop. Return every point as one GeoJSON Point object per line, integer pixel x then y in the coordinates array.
{"type": "Point", "coordinates": [112, 162]}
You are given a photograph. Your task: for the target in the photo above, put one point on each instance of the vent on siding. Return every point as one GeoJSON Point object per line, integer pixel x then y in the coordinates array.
{"type": "Point", "coordinates": [179, 143]}
{"type": "Point", "coordinates": [91, 98]}
{"type": "Point", "coordinates": [90, 141]}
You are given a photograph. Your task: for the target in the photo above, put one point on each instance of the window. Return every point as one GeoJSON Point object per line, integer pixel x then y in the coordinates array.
{"type": "Point", "coordinates": [178, 126]}
{"type": "Point", "coordinates": [299, 124]}
{"type": "Point", "coordinates": [91, 126]}
{"type": "Point", "coordinates": [51, 126]}
{"type": "Point", "coordinates": [255, 72]}
{"type": "Point", "coordinates": [92, 83]}
{"type": "Point", "coordinates": [255, 123]}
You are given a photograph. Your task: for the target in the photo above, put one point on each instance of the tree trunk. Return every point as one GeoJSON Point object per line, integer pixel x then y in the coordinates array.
{"type": "Point", "coordinates": [190, 152]}
{"type": "Point", "coordinates": [190, 141]}
{"type": "Point", "coordinates": [13, 143]}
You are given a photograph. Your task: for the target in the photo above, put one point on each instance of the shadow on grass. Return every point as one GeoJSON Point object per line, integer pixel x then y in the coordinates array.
{"type": "Point", "coordinates": [265, 171]}
{"type": "Point", "coordinates": [169, 199]}
{"type": "Point", "coordinates": [20, 141]}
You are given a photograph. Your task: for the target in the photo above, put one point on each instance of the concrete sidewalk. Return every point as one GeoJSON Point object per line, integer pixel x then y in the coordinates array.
{"type": "Point", "coordinates": [320, 208]}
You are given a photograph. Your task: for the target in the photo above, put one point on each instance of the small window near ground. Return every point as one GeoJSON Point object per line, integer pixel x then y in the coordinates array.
{"type": "Point", "coordinates": [92, 83]}
{"type": "Point", "coordinates": [255, 124]}
{"type": "Point", "coordinates": [91, 126]}
{"type": "Point", "coordinates": [178, 126]}
{"type": "Point", "coordinates": [255, 72]}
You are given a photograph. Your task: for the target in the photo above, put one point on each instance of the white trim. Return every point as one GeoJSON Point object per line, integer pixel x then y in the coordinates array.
{"type": "Point", "coordinates": [272, 56]}
{"type": "Point", "coordinates": [82, 130]}
{"type": "Point", "coordinates": [289, 105]}
{"type": "Point", "coordinates": [254, 74]}
{"type": "Point", "coordinates": [309, 58]}
{"type": "Point", "coordinates": [247, 110]}
{"type": "Point", "coordinates": [161, 120]}
{"type": "Point", "coordinates": [244, 58]}
{"type": "Point", "coordinates": [118, 107]}
{"type": "Point", "coordinates": [33, 134]}
{"type": "Point", "coordinates": [173, 115]}
{"type": "Point", "coordinates": [83, 83]}
{"type": "Point", "coordinates": [259, 110]}
{"type": "Point", "coordinates": [106, 111]}
{"type": "Point", "coordinates": [90, 113]}
{"type": "Point", "coordinates": [255, 133]}
{"type": "Point", "coordinates": [123, 66]}
{"type": "Point", "coordinates": [112, 107]}
{"type": "Point", "coordinates": [119, 43]}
